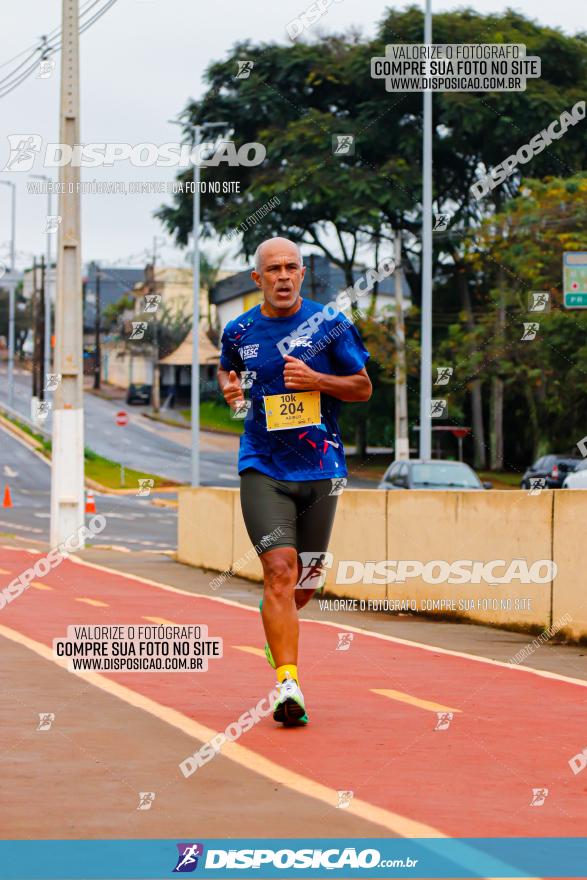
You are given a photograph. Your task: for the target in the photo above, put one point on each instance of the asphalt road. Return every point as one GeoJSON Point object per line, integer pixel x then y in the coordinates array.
{"type": "Point", "coordinates": [142, 447]}
{"type": "Point", "coordinates": [131, 523]}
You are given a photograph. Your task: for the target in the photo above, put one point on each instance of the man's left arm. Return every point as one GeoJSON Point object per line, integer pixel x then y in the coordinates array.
{"type": "Point", "coordinates": [300, 377]}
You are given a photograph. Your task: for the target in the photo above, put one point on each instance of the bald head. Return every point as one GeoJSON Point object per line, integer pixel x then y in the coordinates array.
{"type": "Point", "coordinates": [279, 273]}
{"type": "Point", "coordinates": [272, 246]}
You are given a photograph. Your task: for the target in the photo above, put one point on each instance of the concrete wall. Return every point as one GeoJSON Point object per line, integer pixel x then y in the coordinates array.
{"type": "Point", "coordinates": [475, 526]}
{"type": "Point", "coordinates": [570, 592]}
{"type": "Point", "coordinates": [373, 526]}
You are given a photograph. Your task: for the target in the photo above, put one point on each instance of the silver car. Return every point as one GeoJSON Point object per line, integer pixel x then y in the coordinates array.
{"type": "Point", "coordinates": [437, 474]}
{"type": "Point", "coordinates": [578, 478]}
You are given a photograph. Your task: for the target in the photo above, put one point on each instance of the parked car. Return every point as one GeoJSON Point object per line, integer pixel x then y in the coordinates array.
{"type": "Point", "coordinates": [418, 474]}
{"type": "Point", "coordinates": [578, 478]}
{"type": "Point", "coordinates": [138, 394]}
{"type": "Point", "coordinates": [551, 468]}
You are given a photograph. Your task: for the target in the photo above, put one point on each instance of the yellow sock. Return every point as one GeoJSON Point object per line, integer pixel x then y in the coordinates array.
{"type": "Point", "coordinates": [287, 667]}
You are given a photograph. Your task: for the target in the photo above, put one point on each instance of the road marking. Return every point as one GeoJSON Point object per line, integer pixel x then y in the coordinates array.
{"type": "Point", "coordinates": [9, 472]}
{"type": "Point", "coordinates": [413, 701]}
{"type": "Point", "coordinates": [541, 673]}
{"type": "Point", "coordinates": [14, 525]}
{"type": "Point", "coordinates": [229, 476]}
{"type": "Point", "coordinates": [129, 516]}
{"type": "Point", "coordinates": [258, 652]}
{"type": "Point", "coordinates": [39, 586]}
{"type": "Point", "coordinates": [117, 547]}
{"type": "Point", "coordinates": [95, 602]}
{"type": "Point", "coordinates": [162, 620]}
{"type": "Point", "coordinates": [239, 754]}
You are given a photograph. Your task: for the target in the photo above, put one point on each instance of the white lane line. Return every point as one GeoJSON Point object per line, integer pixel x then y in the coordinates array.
{"type": "Point", "coordinates": [21, 528]}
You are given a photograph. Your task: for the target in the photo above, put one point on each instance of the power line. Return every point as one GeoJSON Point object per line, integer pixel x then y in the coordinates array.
{"type": "Point", "coordinates": [45, 43]}
{"type": "Point", "coordinates": [47, 47]}
{"type": "Point", "coordinates": [56, 30]}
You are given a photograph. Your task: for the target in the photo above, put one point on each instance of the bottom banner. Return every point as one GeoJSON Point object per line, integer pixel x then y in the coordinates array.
{"type": "Point", "coordinates": [303, 857]}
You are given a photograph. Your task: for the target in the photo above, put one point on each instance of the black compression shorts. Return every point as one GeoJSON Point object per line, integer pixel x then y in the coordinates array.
{"type": "Point", "coordinates": [284, 513]}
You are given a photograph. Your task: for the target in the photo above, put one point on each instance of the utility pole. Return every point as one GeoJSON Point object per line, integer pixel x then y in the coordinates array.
{"type": "Point", "coordinates": [152, 288]}
{"type": "Point", "coordinates": [402, 444]}
{"type": "Point", "coordinates": [11, 296]}
{"type": "Point", "coordinates": [47, 312]}
{"type": "Point", "coordinates": [98, 318]}
{"type": "Point", "coordinates": [195, 390]}
{"type": "Point", "coordinates": [34, 319]}
{"type": "Point", "coordinates": [426, 267]}
{"type": "Point", "coordinates": [41, 330]}
{"type": "Point", "coordinates": [67, 463]}
{"type": "Point", "coordinates": [35, 322]}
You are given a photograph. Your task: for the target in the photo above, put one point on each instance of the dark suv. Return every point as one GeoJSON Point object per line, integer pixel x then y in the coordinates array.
{"type": "Point", "coordinates": [552, 468]}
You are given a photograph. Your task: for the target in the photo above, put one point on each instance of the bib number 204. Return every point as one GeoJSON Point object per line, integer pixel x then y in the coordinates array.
{"type": "Point", "coordinates": [288, 405]}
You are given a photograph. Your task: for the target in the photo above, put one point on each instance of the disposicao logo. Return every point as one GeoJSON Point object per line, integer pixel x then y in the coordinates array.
{"type": "Point", "coordinates": [189, 854]}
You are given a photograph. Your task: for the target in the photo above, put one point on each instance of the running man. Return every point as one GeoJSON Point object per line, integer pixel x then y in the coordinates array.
{"type": "Point", "coordinates": [291, 454]}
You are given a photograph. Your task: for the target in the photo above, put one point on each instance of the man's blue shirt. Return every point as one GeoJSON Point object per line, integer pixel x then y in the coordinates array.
{"type": "Point", "coordinates": [250, 342]}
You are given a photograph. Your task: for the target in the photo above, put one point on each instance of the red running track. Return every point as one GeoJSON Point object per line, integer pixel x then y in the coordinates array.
{"type": "Point", "coordinates": [516, 730]}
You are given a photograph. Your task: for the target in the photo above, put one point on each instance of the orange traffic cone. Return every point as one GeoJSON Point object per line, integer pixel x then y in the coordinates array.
{"type": "Point", "coordinates": [90, 502]}
{"type": "Point", "coordinates": [7, 497]}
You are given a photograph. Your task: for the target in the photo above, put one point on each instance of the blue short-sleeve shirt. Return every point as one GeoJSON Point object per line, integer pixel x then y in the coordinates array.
{"type": "Point", "coordinates": [328, 343]}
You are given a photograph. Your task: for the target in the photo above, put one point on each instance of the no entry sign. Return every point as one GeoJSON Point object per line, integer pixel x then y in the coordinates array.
{"type": "Point", "coordinates": [121, 418]}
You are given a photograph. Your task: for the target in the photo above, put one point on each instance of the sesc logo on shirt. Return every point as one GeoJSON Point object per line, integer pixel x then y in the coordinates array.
{"type": "Point", "coordinates": [300, 342]}
{"type": "Point", "coordinates": [249, 351]}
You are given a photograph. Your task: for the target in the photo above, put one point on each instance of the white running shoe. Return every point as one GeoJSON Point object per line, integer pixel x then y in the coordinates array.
{"type": "Point", "coordinates": [289, 707]}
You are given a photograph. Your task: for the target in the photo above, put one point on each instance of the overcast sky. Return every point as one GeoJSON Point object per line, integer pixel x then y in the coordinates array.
{"type": "Point", "coordinates": [140, 63]}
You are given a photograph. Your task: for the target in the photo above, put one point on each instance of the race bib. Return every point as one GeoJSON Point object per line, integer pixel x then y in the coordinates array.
{"type": "Point", "coordinates": [296, 409]}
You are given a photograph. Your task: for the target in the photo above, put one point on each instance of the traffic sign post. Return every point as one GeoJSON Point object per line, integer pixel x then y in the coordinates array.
{"type": "Point", "coordinates": [121, 421]}
{"type": "Point", "coordinates": [460, 434]}
{"type": "Point", "coordinates": [575, 280]}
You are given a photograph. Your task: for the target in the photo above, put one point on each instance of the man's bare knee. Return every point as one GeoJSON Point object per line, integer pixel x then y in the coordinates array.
{"type": "Point", "coordinates": [280, 570]}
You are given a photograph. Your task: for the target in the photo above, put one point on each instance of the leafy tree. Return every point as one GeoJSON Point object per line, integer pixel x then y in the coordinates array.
{"type": "Point", "coordinates": [299, 97]}
{"type": "Point", "coordinates": [172, 323]}
{"type": "Point", "coordinates": [113, 312]}
{"type": "Point", "coordinates": [545, 379]}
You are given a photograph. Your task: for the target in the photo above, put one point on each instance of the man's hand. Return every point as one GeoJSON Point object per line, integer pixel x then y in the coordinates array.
{"type": "Point", "coordinates": [232, 390]}
{"type": "Point", "coordinates": [299, 375]}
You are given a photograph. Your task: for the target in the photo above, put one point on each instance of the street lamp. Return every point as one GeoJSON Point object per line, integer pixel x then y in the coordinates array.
{"type": "Point", "coordinates": [47, 340]}
{"type": "Point", "coordinates": [195, 393]}
{"type": "Point", "coordinates": [11, 295]}
{"type": "Point", "coordinates": [426, 267]}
